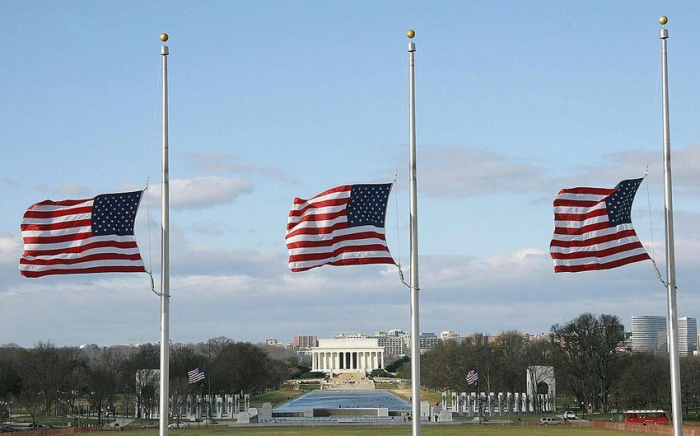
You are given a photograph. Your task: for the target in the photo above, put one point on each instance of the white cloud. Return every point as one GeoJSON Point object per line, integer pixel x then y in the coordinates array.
{"type": "Point", "coordinates": [11, 247]}
{"type": "Point", "coordinates": [66, 190]}
{"type": "Point", "coordinates": [450, 171]}
{"type": "Point", "coordinates": [208, 163]}
{"type": "Point", "coordinates": [201, 192]}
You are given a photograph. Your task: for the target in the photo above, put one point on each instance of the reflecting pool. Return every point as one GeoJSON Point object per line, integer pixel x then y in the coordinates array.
{"type": "Point", "coordinates": [345, 399]}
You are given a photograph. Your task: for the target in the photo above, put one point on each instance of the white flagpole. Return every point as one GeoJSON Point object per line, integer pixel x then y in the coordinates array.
{"type": "Point", "coordinates": [670, 250]}
{"type": "Point", "coordinates": [165, 267]}
{"type": "Point", "coordinates": [415, 329]}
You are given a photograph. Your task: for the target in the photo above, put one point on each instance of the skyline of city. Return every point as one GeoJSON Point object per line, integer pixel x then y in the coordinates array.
{"type": "Point", "coordinates": [651, 337]}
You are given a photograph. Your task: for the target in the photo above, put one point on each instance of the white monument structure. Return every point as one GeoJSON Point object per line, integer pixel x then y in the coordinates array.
{"type": "Point", "coordinates": [537, 375]}
{"type": "Point", "coordinates": [347, 355]}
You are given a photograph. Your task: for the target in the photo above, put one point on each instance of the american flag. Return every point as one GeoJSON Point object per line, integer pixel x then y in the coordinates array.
{"type": "Point", "coordinates": [196, 375]}
{"type": "Point", "coordinates": [81, 236]}
{"type": "Point", "coordinates": [593, 228]}
{"type": "Point", "coordinates": [472, 377]}
{"type": "Point", "coordinates": [341, 226]}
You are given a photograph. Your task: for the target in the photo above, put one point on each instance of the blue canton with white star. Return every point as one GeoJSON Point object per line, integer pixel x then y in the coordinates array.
{"type": "Point", "coordinates": [114, 214]}
{"type": "Point", "coordinates": [367, 205]}
{"type": "Point", "coordinates": [619, 203]}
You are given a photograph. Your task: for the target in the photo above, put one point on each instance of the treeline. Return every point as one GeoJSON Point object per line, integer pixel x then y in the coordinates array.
{"type": "Point", "coordinates": [63, 381]}
{"type": "Point", "coordinates": [591, 367]}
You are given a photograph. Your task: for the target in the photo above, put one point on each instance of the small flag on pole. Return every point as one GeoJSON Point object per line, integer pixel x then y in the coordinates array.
{"type": "Point", "coordinates": [593, 228]}
{"type": "Point", "coordinates": [472, 377]}
{"type": "Point", "coordinates": [196, 375]}
{"type": "Point", "coordinates": [81, 236]}
{"type": "Point", "coordinates": [341, 226]}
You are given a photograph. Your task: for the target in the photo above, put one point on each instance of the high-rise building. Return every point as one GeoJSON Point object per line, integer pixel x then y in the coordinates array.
{"type": "Point", "coordinates": [393, 345]}
{"type": "Point", "coordinates": [687, 336]}
{"type": "Point", "coordinates": [305, 341]}
{"type": "Point", "coordinates": [649, 333]}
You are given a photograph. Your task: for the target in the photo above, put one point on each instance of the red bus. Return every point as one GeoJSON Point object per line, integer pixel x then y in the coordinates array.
{"type": "Point", "coordinates": [646, 416]}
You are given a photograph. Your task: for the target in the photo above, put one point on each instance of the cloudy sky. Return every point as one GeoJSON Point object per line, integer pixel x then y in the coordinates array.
{"type": "Point", "coordinates": [270, 100]}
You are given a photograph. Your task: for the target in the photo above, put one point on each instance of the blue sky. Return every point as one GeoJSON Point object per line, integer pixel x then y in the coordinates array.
{"type": "Point", "coordinates": [270, 100]}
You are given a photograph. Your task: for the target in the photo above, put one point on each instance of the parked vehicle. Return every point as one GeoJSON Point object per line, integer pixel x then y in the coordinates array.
{"type": "Point", "coordinates": [569, 415]}
{"type": "Point", "coordinates": [7, 429]}
{"type": "Point", "coordinates": [548, 420]}
{"type": "Point", "coordinates": [150, 425]}
{"type": "Point", "coordinates": [647, 416]}
{"type": "Point", "coordinates": [178, 425]}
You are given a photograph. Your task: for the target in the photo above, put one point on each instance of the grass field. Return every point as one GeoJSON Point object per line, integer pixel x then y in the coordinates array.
{"type": "Point", "coordinates": [428, 430]}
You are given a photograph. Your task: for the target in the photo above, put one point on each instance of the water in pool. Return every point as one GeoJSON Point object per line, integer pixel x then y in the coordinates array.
{"type": "Point", "coordinates": [344, 399]}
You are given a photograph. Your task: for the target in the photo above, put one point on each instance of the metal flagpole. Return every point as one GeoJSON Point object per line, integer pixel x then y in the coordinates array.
{"type": "Point", "coordinates": [415, 329]}
{"type": "Point", "coordinates": [165, 267]}
{"type": "Point", "coordinates": [670, 250]}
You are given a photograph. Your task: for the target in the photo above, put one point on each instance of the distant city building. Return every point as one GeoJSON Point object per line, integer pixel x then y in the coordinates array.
{"type": "Point", "coordinates": [448, 335]}
{"type": "Point", "coordinates": [349, 335]}
{"type": "Point", "coordinates": [272, 342]}
{"type": "Point", "coordinates": [393, 345]}
{"type": "Point", "coordinates": [305, 341]}
{"type": "Point", "coordinates": [396, 333]}
{"type": "Point", "coordinates": [427, 341]}
{"type": "Point", "coordinates": [540, 337]}
{"type": "Point", "coordinates": [478, 338]}
{"type": "Point", "coordinates": [687, 336]}
{"type": "Point", "coordinates": [649, 334]}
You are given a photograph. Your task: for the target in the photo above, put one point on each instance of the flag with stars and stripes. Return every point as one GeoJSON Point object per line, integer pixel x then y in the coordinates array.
{"type": "Point", "coordinates": [341, 226]}
{"type": "Point", "coordinates": [473, 377]}
{"type": "Point", "coordinates": [81, 236]}
{"type": "Point", "coordinates": [593, 228]}
{"type": "Point", "coordinates": [196, 375]}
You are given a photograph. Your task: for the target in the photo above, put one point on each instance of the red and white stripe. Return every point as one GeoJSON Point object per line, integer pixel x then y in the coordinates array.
{"type": "Point", "coordinates": [583, 239]}
{"type": "Point", "coordinates": [58, 239]}
{"type": "Point", "coordinates": [318, 234]}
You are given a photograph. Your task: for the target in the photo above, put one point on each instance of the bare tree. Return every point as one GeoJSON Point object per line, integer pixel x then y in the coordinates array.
{"type": "Point", "coordinates": [40, 373]}
{"type": "Point", "coordinates": [180, 393]}
{"type": "Point", "coordinates": [104, 376]}
{"type": "Point", "coordinates": [588, 348]}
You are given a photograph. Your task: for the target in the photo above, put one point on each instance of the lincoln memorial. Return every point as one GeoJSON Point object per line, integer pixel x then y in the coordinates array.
{"type": "Point", "coordinates": [347, 355]}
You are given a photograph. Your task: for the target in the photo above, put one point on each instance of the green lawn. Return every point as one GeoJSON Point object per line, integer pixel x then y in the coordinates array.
{"type": "Point", "coordinates": [428, 430]}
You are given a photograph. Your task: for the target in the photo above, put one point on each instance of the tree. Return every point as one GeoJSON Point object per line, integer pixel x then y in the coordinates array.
{"type": "Point", "coordinates": [395, 365]}
{"type": "Point", "coordinates": [104, 377]}
{"type": "Point", "coordinates": [32, 401]}
{"type": "Point", "coordinates": [245, 367]}
{"type": "Point", "coordinates": [39, 367]}
{"type": "Point", "coordinates": [587, 347]}
{"type": "Point", "coordinates": [690, 376]}
{"type": "Point", "coordinates": [180, 391]}
{"type": "Point", "coordinates": [141, 377]}
{"type": "Point", "coordinates": [10, 378]}
{"type": "Point", "coordinates": [72, 374]}
{"type": "Point", "coordinates": [511, 348]}
{"type": "Point", "coordinates": [644, 382]}
{"type": "Point", "coordinates": [184, 359]}
{"type": "Point", "coordinates": [404, 371]}
{"type": "Point", "coordinates": [445, 366]}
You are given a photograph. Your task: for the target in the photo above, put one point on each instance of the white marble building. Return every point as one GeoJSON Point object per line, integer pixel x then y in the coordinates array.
{"type": "Point", "coordinates": [347, 355]}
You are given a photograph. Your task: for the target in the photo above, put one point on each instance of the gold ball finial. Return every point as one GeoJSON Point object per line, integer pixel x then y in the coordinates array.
{"type": "Point", "coordinates": [663, 20]}
{"type": "Point", "coordinates": [411, 34]}
{"type": "Point", "coordinates": [164, 37]}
